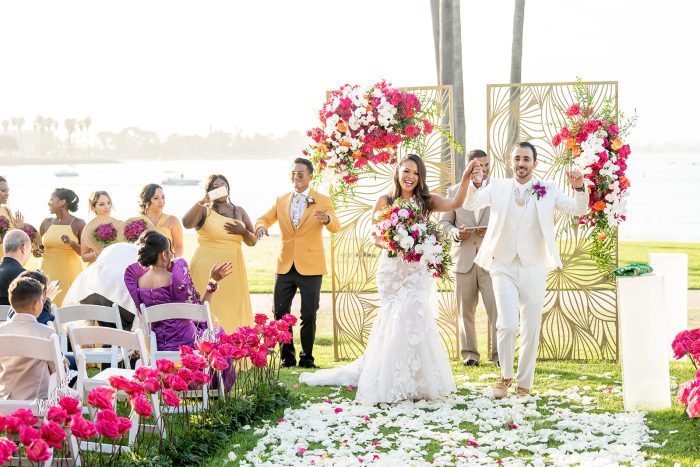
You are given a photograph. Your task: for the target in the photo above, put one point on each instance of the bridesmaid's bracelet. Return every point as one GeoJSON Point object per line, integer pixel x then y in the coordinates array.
{"type": "Point", "coordinates": [212, 286]}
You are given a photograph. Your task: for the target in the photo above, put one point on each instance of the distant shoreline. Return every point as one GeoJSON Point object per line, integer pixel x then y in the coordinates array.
{"type": "Point", "coordinates": [42, 161]}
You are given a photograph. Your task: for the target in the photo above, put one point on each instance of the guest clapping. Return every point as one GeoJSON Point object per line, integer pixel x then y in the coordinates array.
{"type": "Point", "coordinates": [16, 220]}
{"type": "Point", "coordinates": [60, 240]}
{"type": "Point", "coordinates": [221, 227]}
{"type": "Point", "coordinates": [151, 204]}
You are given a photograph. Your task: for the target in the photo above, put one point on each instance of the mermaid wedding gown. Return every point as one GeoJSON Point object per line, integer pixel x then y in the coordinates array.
{"type": "Point", "coordinates": [404, 358]}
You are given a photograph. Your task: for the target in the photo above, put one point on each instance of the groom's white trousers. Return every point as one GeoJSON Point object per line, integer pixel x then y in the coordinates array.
{"type": "Point", "coordinates": [519, 293]}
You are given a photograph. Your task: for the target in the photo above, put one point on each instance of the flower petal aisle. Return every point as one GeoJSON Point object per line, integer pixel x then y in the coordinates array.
{"type": "Point", "coordinates": [560, 427]}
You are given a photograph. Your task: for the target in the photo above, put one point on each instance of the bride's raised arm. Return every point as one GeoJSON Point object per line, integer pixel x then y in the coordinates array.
{"type": "Point", "coordinates": [382, 203]}
{"type": "Point", "coordinates": [441, 204]}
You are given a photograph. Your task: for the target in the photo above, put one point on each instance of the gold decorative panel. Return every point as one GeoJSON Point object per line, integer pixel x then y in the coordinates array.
{"type": "Point", "coordinates": [354, 258]}
{"type": "Point", "coordinates": [579, 320]}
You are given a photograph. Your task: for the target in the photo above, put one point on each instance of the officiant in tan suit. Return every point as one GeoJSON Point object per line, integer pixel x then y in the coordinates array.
{"type": "Point", "coordinates": [470, 279]}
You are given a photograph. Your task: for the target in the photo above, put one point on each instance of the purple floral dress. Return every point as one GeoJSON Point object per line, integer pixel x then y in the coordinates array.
{"type": "Point", "coordinates": [172, 333]}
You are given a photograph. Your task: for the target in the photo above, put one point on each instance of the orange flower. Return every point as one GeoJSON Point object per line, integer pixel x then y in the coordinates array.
{"type": "Point", "coordinates": [599, 205]}
{"type": "Point", "coordinates": [602, 236]}
{"type": "Point", "coordinates": [576, 150]}
{"type": "Point", "coordinates": [341, 127]}
{"type": "Point", "coordinates": [322, 148]}
{"type": "Point", "coordinates": [368, 108]}
{"type": "Point", "coordinates": [570, 143]}
{"type": "Point", "coordinates": [623, 180]}
{"type": "Point", "coordinates": [357, 154]}
{"type": "Point", "coordinates": [616, 144]}
{"type": "Point", "coordinates": [345, 142]}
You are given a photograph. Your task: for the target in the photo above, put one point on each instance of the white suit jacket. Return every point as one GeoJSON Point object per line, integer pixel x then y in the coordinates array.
{"type": "Point", "coordinates": [498, 194]}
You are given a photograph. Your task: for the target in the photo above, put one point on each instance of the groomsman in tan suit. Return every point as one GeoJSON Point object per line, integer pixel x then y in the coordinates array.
{"type": "Point", "coordinates": [470, 278]}
{"type": "Point", "coordinates": [302, 215]}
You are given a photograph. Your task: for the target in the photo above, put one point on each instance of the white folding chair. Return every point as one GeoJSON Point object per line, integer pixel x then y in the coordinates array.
{"type": "Point", "coordinates": [4, 309]}
{"type": "Point", "coordinates": [67, 316]}
{"type": "Point", "coordinates": [157, 313]}
{"type": "Point", "coordinates": [117, 338]}
{"type": "Point", "coordinates": [46, 350]}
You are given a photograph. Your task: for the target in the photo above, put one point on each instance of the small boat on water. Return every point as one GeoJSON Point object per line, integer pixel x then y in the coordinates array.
{"type": "Point", "coordinates": [180, 181]}
{"type": "Point", "coordinates": [66, 173]}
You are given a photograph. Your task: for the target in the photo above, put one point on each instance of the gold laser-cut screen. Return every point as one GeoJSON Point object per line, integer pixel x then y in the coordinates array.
{"type": "Point", "coordinates": [579, 319]}
{"type": "Point", "coordinates": [354, 258]}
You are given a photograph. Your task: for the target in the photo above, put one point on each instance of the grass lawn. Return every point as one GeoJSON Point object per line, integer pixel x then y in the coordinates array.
{"type": "Point", "coordinates": [678, 435]}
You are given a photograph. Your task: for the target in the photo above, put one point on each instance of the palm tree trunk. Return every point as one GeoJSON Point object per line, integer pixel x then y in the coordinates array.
{"type": "Point", "coordinates": [516, 66]}
{"type": "Point", "coordinates": [447, 34]}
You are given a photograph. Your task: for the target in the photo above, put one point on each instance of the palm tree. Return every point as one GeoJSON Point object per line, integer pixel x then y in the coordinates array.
{"type": "Point", "coordinates": [39, 134]}
{"type": "Point", "coordinates": [70, 124]}
{"type": "Point", "coordinates": [447, 36]}
{"type": "Point", "coordinates": [18, 122]}
{"type": "Point", "coordinates": [516, 67]}
{"type": "Point", "coordinates": [87, 121]}
{"type": "Point", "coordinates": [5, 125]}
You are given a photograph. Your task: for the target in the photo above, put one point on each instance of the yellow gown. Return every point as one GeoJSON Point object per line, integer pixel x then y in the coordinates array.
{"type": "Point", "coordinates": [5, 211]}
{"type": "Point", "coordinates": [230, 304]}
{"type": "Point", "coordinates": [167, 231]}
{"type": "Point", "coordinates": [60, 260]}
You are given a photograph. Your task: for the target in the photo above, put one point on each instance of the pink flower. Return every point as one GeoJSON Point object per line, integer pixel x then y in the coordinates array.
{"type": "Point", "coordinates": [38, 451]}
{"type": "Point", "coordinates": [70, 404]}
{"type": "Point", "coordinates": [83, 428]}
{"type": "Point", "coordinates": [108, 428]}
{"type": "Point", "coordinates": [27, 434]}
{"type": "Point", "coordinates": [575, 109]}
{"type": "Point", "coordinates": [471, 442]}
{"type": "Point", "coordinates": [194, 362]}
{"type": "Point", "coordinates": [556, 140]}
{"type": "Point", "coordinates": [290, 319]}
{"type": "Point", "coordinates": [259, 359]}
{"type": "Point", "coordinates": [123, 425]}
{"type": "Point", "coordinates": [175, 382]}
{"type": "Point", "coordinates": [581, 137]}
{"type": "Point", "coordinates": [186, 350]}
{"type": "Point", "coordinates": [165, 366]}
{"type": "Point", "coordinates": [565, 133]}
{"type": "Point", "coordinates": [613, 129]}
{"type": "Point", "coordinates": [512, 426]}
{"type": "Point", "coordinates": [26, 416]}
{"type": "Point", "coordinates": [144, 372]}
{"type": "Point", "coordinates": [260, 318]}
{"type": "Point", "coordinates": [693, 409]}
{"type": "Point", "coordinates": [118, 382]}
{"type": "Point", "coordinates": [141, 406]}
{"type": "Point", "coordinates": [206, 347]}
{"type": "Point", "coordinates": [301, 451]}
{"type": "Point", "coordinates": [53, 434]}
{"type": "Point", "coordinates": [427, 127]}
{"type": "Point", "coordinates": [685, 389]}
{"type": "Point", "coordinates": [186, 374]}
{"type": "Point", "coordinates": [201, 378]}
{"type": "Point", "coordinates": [219, 363]}
{"type": "Point", "coordinates": [151, 385]}
{"type": "Point", "coordinates": [101, 398]}
{"type": "Point", "coordinates": [7, 448]}
{"type": "Point", "coordinates": [338, 409]}
{"type": "Point", "coordinates": [591, 126]}
{"type": "Point", "coordinates": [350, 388]}
{"type": "Point", "coordinates": [57, 414]}
{"type": "Point", "coordinates": [411, 131]}
{"type": "Point", "coordinates": [366, 418]}
{"type": "Point", "coordinates": [170, 398]}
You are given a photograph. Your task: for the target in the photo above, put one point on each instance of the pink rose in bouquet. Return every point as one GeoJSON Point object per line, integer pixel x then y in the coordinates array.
{"type": "Point", "coordinates": [133, 229]}
{"type": "Point", "coordinates": [105, 234]}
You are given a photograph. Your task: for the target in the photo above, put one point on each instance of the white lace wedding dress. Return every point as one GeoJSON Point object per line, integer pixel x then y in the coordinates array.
{"type": "Point", "coordinates": [404, 358]}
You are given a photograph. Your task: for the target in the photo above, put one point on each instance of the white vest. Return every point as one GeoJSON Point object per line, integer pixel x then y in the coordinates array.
{"type": "Point", "coordinates": [522, 236]}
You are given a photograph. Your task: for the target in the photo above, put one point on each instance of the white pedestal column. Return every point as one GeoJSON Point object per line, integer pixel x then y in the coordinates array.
{"type": "Point", "coordinates": [674, 269]}
{"type": "Point", "coordinates": [645, 374]}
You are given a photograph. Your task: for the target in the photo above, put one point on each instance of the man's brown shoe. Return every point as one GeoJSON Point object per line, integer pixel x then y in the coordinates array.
{"type": "Point", "coordinates": [500, 389]}
{"type": "Point", "coordinates": [521, 392]}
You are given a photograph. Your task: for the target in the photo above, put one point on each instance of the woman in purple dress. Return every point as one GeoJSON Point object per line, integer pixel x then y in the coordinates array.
{"type": "Point", "coordinates": [159, 278]}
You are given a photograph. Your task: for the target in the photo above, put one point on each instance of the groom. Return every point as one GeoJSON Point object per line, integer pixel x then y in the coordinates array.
{"type": "Point", "coordinates": [302, 214]}
{"type": "Point", "coordinates": [519, 249]}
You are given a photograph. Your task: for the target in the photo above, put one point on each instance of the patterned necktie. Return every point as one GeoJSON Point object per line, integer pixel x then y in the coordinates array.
{"type": "Point", "coordinates": [296, 209]}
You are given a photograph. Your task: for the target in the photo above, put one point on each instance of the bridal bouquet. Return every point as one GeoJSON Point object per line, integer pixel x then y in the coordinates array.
{"type": "Point", "coordinates": [412, 237]}
{"type": "Point", "coordinates": [362, 124]}
{"type": "Point", "coordinates": [105, 234]}
{"type": "Point", "coordinates": [133, 228]}
{"type": "Point", "coordinates": [593, 143]}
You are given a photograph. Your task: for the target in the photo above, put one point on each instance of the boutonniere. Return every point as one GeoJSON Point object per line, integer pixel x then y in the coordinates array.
{"type": "Point", "coordinates": [310, 201]}
{"type": "Point", "coordinates": [539, 190]}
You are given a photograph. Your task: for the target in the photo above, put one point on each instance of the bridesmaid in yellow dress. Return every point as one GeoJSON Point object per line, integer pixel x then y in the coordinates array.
{"type": "Point", "coordinates": [151, 204]}
{"type": "Point", "coordinates": [100, 204]}
{"type": "Point", "coordinates": [16, 221]}
{"type": "Point", "coordinates": [60, 238]}
{"type": "Point", "coordinates": [221, 227]}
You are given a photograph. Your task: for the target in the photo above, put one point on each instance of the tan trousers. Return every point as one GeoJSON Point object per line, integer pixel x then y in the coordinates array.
{"type": "Point", "coordinates": [467, 288]}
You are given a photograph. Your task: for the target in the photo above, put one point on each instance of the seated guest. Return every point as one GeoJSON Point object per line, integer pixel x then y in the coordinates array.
{"type": "Point", "coordinates": [24, 378]}
{"type": "Point", "coordinates": [159, 278]}
{"type": "Point", "coordinates": [18, 249]}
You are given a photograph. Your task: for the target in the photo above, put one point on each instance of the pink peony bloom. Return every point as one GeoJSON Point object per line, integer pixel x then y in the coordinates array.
{"type": "Point", "coordinates": [123, 425]}
{"type": "Point", "coordinates": [201, 378]}
{"type": "Point", "coordinates": [141, 406]}
{"type": "Point", "coordinates": [144, 372]}
{"type": "Point", "coordinates": [260, 318]}
{"type": "Point", "coordinates": [186, 374]}
{"type": "Point", "coordinates": [151, 385]}
{"type": "Point", "coordinates": [693, 409]}
{"type": "Point", "coordinates": [101, 398]}
{"type": "Point", "coordinates": [83, 428]}
{"type": "Point", "coordinates": [290, 319]}
{"type": "Point", "coordinates": [70, 404]}
{"type": "Point", "coordinates": [165, 366]}
{"type": "Point", "coordinates": [574, 110]}
{"type": "Point", "coordinates": [206, 347]}
{"type": "Point", "coordinates": [556, 140]}
{"type": "Point", "coordinates": [53, 434]}
{"type": "Point", "coordinates": [108, 428]}
{"type": "Point", "coordinates": [170, 398]}
{"type": "Point", "coordinates": [194, 362]}
{"type": "Point", "coordinates": [565, 133]}
{"type": "Point", "coordinates": [57, 414]}
{"type": "Point", "coordinates": [7, 448]}
{"type": "Point", "coordinates": [685, 389]}
{"type": "Point", "coordinates": [38, 451]}
{"type": "Point", "coordinates": [27, 434]}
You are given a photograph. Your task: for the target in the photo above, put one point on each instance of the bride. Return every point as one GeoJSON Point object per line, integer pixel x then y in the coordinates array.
{"type": "Point", "coordinates": [404, 358]}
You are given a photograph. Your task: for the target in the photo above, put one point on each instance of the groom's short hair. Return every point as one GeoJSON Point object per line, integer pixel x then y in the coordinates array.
{"type": "Point", "coordinates": [475, 154]}
{"type": "Point", "coordinates": [529, 145]}
{"type": "Point", "coordinates": [306, 162]}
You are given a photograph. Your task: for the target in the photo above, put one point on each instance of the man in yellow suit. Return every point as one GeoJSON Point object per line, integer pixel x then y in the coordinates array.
{"type": "Point", "coordinates": [302, 214]}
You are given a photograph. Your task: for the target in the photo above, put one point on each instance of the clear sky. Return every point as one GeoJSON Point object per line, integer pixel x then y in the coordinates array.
{"type": "Point", "coordinates": [263, 66]}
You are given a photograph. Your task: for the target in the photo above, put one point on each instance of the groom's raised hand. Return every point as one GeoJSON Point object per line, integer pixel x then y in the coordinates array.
{"type": "Point", "coordinates": [575, 178]}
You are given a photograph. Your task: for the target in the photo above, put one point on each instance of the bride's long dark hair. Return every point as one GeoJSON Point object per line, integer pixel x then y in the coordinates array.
{"type": "Point", "coordinates": [421, 192]}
